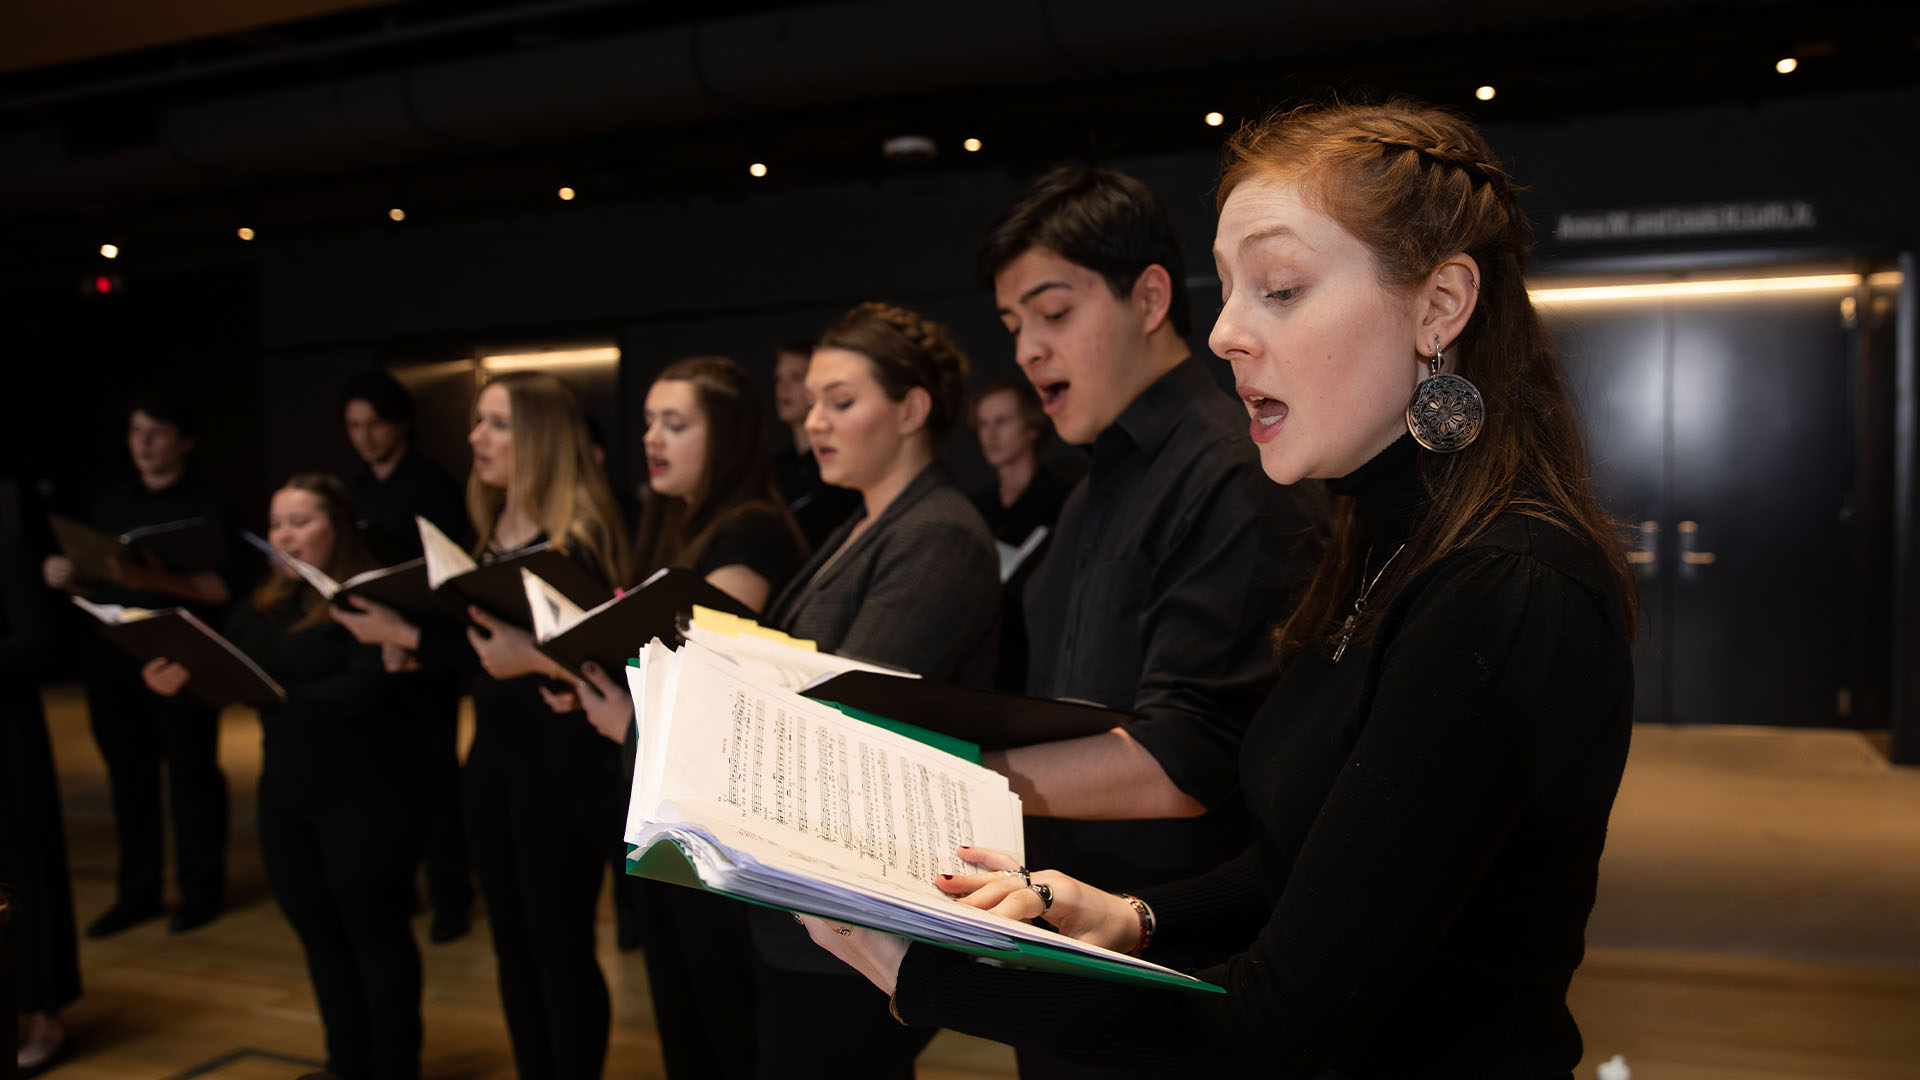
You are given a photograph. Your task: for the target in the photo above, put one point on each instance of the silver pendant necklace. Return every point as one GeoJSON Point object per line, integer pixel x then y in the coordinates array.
{"type": "Point", "coordinates": [1360, 604]}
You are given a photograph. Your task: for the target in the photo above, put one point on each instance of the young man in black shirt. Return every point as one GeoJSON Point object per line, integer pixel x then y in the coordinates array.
{"type": "Point", "coordinates": [397, 483]}
{"type": "Point", "coordinates": [1171, 561]}
{"type": "Point", "coordinates": [137, 729]}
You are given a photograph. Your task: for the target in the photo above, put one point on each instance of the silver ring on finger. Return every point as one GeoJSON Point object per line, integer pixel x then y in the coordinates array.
{"type": "Point", "coordinates": [1045, 892]}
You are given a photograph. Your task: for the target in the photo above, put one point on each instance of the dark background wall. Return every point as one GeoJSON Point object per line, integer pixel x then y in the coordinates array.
{"type": "Point", "coordinates": [266, 339]}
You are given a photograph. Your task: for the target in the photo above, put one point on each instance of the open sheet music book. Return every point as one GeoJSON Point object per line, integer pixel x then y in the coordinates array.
{"type": "Point", "coordinates": [219, 673]}
{"type": "Point", "coordinates": [402, 587]}
{"type": "Point", "coordinates": [189, 546]}
{"type": "Point", "coordinates": [747, 789]}
{"type": "Point", "coordinates": [498, 587]}
{"type": "Point", "coordinates": [610, 634]}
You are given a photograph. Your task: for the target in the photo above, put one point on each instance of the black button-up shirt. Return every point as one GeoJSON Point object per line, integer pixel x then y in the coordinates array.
{"type": "Point", "coordinates": [1174, 559]}
{"type": "Point", "coordinates": [386, 507]}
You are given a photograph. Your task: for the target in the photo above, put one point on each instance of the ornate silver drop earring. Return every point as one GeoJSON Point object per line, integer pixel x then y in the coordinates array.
{"type": "Point", "coordinates": [1446, 412]}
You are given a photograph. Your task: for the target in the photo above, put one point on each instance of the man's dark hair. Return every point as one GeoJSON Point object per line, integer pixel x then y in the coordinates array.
{"type": "Point", "coordinates": [165, 408]}
{"type": "Point", "coordinates": [378, 388]}
{"type": "Point", "coordinates": [1106, 221]}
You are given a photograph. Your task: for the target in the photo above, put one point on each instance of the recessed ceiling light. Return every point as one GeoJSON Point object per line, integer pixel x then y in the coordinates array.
{"type": "Point", "coordinates": [1485, 93]}
{"type": "Point", "coordinates": [397, 214]}
{"type": "Point", "coordinates": [1215, 119]}
{"type": "Point", "coordinates": [972, 145]}
{"type": "Point", "coordinates": [108, 251]}
{"type": "Point", "coordinates": [566, 194]}
{"type": "Point", "coordinates": [757, 169]}
{"type": "Point", "coordinates": [244, 233]}
{"type": "Point", "coordinates": [1786, 65]}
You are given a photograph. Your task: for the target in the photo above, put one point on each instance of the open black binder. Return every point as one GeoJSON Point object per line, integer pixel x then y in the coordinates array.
{"type": "Point", "coordinates": [190, 546]}
{"type": "Point", "coordinates": [994, 720]}
{"type": "Point", "coordinates": [221, 673]}
{"type": "Point", "coordinates": [613, 632]}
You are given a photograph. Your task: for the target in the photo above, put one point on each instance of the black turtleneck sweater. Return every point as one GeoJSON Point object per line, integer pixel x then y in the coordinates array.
{"type": "Point", "coordinates": [1428, 815]}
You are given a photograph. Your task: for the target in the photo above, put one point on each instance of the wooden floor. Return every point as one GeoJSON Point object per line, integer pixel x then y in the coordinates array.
{"type": "Point", "coordinates": [1759, 919]}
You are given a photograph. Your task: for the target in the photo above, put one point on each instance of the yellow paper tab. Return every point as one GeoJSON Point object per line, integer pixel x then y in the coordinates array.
{"type": "Point", "coordinates": [727, 625]}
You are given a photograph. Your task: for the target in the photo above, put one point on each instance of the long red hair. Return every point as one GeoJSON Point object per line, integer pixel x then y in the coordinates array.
{"type": "Point", "coordinates": [1417, 184]}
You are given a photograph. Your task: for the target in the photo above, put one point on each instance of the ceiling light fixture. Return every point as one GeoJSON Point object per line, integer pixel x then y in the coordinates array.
{"type": "Point", "coordinates": [757, 170]}
{"type": "Point", "coordinates": [1215, 119]}
{"type": "Point", "coordinates": [1485, 93]}
{"type": "Point", "coordinates": [244, 233]}
{"type": "Point", "coordinates": [108, 251]}
{"type": "Point", "coordinates": [1786, 65]}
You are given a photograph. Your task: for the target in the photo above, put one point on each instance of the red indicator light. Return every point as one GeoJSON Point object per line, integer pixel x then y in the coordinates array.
{"type": "Point", "coordinates": [103, 284]}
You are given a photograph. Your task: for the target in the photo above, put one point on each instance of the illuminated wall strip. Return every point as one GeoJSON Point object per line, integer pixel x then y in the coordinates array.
{"type": "Point", "coordinates": [1730, 287]}
{"type": "Point", "coordinates": [556, 358]}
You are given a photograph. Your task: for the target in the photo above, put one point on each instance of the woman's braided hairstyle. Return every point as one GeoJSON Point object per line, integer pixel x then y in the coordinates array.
{"type": "Point", "coordinates": [907, 350]}
{"type": "Point", "coordinates": [1418, 185]}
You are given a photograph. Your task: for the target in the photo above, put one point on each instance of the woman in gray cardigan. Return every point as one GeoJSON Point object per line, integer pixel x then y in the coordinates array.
{"type": "Point", "coordinates": [911, 580]}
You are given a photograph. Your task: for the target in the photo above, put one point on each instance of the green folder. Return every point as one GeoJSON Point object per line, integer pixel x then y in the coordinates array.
{"type": "Point", "coordinates": [665, 861]}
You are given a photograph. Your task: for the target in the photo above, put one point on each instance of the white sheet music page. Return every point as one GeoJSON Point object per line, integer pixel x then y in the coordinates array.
{"type": "Point", "coordinates": [445, 559]}
{"type": "Point", "coordinates": [821, 784]}
{"type": "Point", "coordinates": [780, 665]}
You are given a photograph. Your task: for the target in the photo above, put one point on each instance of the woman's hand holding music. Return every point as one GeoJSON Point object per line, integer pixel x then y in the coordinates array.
{"type": "Point", "coordinates": [1069, 905]}
{"type": "Point", "coordinates": [164, 677]}
{"type": "Point", "coordinates": [505, 650]}
{"type": "Point", "coordinates": [375, 624]}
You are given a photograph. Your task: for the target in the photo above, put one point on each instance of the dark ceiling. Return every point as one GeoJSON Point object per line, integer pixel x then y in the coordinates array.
{"type": "Point", "coordinates": [463, 111]}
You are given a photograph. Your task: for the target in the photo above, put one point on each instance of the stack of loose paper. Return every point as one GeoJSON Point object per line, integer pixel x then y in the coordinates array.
{"type": "Point", "coordinates": [744, 787]}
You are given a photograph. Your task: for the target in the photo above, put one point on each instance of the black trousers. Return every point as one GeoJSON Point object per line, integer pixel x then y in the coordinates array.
{"type": "Point", "coordinates": [843, 1017]}
{"type": "Point", "coordinates": [137, 730]}
{"type": "Point", "coordinates": [700, 964]}
{"type": "Point", "coordinates": [33, 863]}
{"type": "Point", "coordinates": [449, 873]}
{"type": "Point", "coordinates": [341, 862]}
{"type": "Point", "coordinates": [539, 836]}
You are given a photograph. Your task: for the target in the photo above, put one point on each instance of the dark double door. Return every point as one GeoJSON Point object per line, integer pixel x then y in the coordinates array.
{"type": "Point", "coordinates": [1723, 433]}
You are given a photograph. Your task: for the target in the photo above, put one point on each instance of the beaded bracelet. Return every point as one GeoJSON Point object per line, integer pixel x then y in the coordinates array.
{"type": "Point", "coordinates": [1141, 909]}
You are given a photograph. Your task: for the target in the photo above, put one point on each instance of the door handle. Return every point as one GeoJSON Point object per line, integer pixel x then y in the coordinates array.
{"type": "Point", "coordinates": [1690, 555]}
{"type": "Point", "coordinates": [1648, 553]}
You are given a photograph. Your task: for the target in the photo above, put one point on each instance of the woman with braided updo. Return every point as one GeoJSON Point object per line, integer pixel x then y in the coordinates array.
{"type": "Point", "coordinates": [1430, 781]}
{"type": "Point", "coordinates": [911, 580]}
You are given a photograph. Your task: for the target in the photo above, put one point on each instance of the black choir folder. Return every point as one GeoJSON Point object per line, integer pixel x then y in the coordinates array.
{"type": "Point", "coordinates": [748, 789]}
{"type": "Point", "coordinates": [220, 672]}
{"type": "Point", "coordinates": [402, 587]}
{"type": "Point", "coordinates": [611, 633]}
{"type": "Point", "coordinates": [192, 546]}
{"type": "Point", "coordinates": [497, 588]}
{"type": "Point", "coordinates": [993, 720]}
